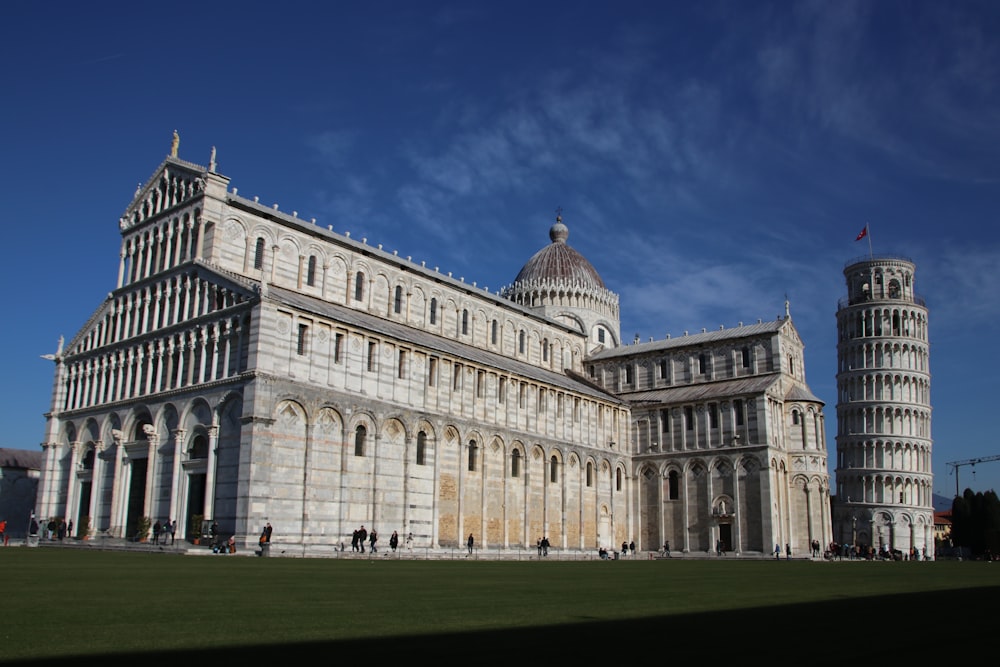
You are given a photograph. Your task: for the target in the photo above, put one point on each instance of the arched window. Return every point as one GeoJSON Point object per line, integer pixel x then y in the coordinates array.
{"type": "Point", "coordinates": [258, 253]}
{"type": "Point", "coordinates": [421, 448]}
{"type": "Point", "coordinates": [311, 271]}
{"type": "Point", "coordinates": [553, 469]}
{"type": "Point", "coordinates": [465, 322]}
{"type": "Point", "coordinates": [473, 451]}
{"type": "Point", "coordinates": [520, 342]}
{"type": "Point", "coordinates": [515, 463]}
{"type": "Point", "coordinates": [493, 332]}
{"type": "Point", "coordinates": [673, 492]}
{"type": "Point", "coordinates": [397, 300]}
{"type": "Point", "coordinates": [545, 349]}
{"type": "Point", "coordinates": [198, 448]}
{"type": "Point", "coordinates": [434, 308]}
{"type": "Point", "coordinates": [360, 435]}
{"type": "Point", "coordinates": [590, 473]}
{"type": "Point", "coordinates": [359, 286]}
{"type": "Point", "coordinates": [618, 479]}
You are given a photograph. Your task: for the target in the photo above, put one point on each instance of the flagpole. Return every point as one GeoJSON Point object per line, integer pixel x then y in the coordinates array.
{"type": "Point", "coordinates": [871, 254]}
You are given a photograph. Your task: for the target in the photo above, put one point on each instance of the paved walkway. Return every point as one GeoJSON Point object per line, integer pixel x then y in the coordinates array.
{"type": "Point", "coordinates": [183, 547]}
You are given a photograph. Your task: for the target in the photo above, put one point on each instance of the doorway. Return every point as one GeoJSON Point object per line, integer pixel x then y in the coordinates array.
{"type": "Point", "coordinates": [726, 535]}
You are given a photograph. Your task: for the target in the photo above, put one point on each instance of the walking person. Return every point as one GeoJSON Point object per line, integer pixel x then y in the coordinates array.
{"type": "Point", "coordinates": [156, 532]}
{"type": "Point", "coordinates": [394, 541]}
{"type": "Point", "coordinates": [777, 551]}
{"type": "Point", "coordinates": [173, 531]}
{"type": "Point", "coordinates": [3, 532]}
{"type": "Point", "coordinates": [788, 551]}
{"type": "Point", "coordinates": [362, 536]}
{"type": "Point", "coordinates": [470, 543]}
{"type": "Point", "coordinates": [372, 539]}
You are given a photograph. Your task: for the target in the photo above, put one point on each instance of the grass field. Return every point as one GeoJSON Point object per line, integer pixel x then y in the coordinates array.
{"type": "Point", "coordinates": [59, 605]}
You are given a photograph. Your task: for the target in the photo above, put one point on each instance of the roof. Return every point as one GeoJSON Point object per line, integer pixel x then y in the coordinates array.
{"type": "Point", "coordinates": [798, 392]}
{"type": "Point", "coordinates": [20, 458]}
{"type": "Point", "coordinates": [745, 386]}
{"type": "Point", "coordinates": [559, 262]}
{"type": "Point", "coordinates": [705, 337]}
{"type": "Point", "coordinates": [755, 384]}
{"type": "Point", "coordinates": [430, 341]}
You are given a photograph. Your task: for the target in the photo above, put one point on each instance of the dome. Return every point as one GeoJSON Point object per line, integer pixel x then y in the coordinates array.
{"type": "Point", "coordinates": [559, 262]}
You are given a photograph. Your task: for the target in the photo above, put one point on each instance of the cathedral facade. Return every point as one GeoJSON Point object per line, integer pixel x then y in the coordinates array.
{"type": "Point", "coordinates": [251, 367]}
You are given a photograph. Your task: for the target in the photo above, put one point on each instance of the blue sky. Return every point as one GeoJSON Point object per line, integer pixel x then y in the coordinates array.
{"type": "Point", "coordinates": [710, 158]}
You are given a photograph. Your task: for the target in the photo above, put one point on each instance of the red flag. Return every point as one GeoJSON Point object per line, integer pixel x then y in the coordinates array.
{"type": "Point", "coordinates": [862, 234]}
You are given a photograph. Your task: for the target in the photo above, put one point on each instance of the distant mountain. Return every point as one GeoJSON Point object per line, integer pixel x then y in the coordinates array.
{"type": "Point", "coordinates": [941, 503]}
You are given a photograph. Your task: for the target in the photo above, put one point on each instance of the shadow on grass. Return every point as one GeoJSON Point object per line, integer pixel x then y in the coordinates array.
{"type": "Point", "coordinates": [923, 626]}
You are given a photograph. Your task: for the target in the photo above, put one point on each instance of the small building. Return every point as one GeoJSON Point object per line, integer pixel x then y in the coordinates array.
{"type": "Point", "coordinates": [20, 470]}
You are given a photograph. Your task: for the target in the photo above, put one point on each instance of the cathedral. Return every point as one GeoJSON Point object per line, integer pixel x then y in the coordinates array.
{"type": "Point", "coordinates": [252, 367]}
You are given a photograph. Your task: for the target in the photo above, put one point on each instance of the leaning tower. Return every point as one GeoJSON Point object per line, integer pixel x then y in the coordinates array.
{"type": "Point", "coordinates": [884, 479]}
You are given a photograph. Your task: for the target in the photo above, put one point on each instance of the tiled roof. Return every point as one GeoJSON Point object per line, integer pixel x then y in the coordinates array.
{"type": "Point", "coordinates": [756, 384]}
{"type": "Point", "coordinates": [799, 392]}
{"type": "Point", "coordinates": [430, 341]}
{"type": "Point", "coordinates": [559, 261]}
{"type": "Point", "coordinates": [734, 333]}
{"type": "Point", "coordinates": [20, 458]}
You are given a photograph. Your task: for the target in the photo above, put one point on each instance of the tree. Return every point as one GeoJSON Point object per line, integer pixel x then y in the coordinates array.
{"type": "Point", "coordinates": [975, 522]}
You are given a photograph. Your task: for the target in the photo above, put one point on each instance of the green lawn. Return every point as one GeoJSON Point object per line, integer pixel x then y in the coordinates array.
{"type": "Point", "coordinates": [135, 607]}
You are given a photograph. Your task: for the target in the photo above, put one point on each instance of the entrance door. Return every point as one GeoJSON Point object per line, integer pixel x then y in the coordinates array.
{"type": "Point", "coordinates": [136, 497]}
{"type": "Point", "coordinates": [726, 535]}
{"type": "Point", "coordinates": [83, 509]}
{"type": "Point", "coordinates": [604, 532]}
{"type": "Point", "coordinates": [195, 501]}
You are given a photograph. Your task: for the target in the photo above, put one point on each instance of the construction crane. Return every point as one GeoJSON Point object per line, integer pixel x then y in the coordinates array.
{"type": "Point", "coordinates": [969, 462]}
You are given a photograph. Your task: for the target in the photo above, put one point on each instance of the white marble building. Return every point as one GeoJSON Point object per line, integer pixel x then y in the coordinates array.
{"type": "Point", "coordinates": [253, 367]}
{"type": "Point", "coordinates": [884, 445]}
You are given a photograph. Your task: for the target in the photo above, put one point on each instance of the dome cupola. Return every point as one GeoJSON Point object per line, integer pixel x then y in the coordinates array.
{"type": "Point", "coordinates": [560, 283]}
{"type": "Point", "coordinates": [559, 261]}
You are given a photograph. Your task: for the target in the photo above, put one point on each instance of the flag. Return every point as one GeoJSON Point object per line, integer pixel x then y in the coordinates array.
{"type": "Point", "coordinates": [863, 233]}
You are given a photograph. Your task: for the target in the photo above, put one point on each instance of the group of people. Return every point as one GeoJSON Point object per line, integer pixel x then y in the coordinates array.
{"type": "Point", "coordinates": [777, 551]}
{"type": "Point", "coordinates": [167, 529]}
{"type": "Point", "coordinates": [265, 534]}
{"type": "Point", "coordinates": [361, 536]}
{"type": "Point", "coordinates": [627, 548]}
{"type": "Point", "coordinates": [543, 546]}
